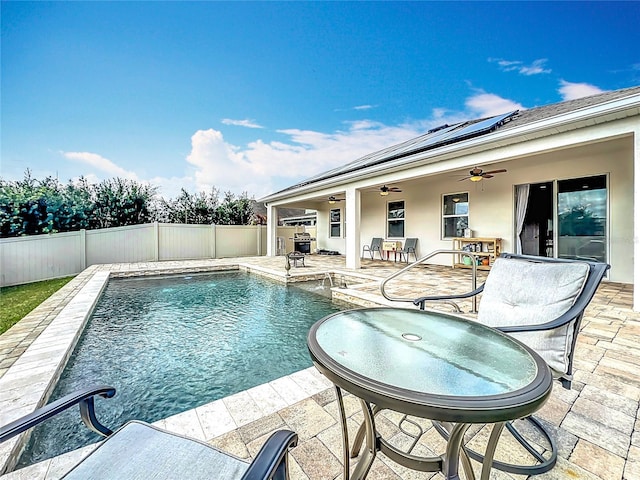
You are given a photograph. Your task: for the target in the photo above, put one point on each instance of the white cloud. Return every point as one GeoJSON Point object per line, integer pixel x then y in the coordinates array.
{"type": "Point", "coordinates": [99, 162]}
{"type": "Point", "coordinates": [571, 91]}
{"type": "Point", "coordinates": [489, 104]}
{"type": "Point", "coordinates": [262, 167]}
{"type": "Point", "coordinates": [535, 68]}
{"type": "Point", "coordinates": [364, 107]}
{"type": "Point", "coordinates": [305, 153]}
{"type": "Point", "coordinates": [241, 123]}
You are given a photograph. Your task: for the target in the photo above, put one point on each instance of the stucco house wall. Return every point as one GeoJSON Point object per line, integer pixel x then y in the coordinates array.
{"type": "Point", "coordinates": [492, 201]}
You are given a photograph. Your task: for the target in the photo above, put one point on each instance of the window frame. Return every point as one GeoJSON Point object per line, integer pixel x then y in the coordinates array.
{"type": "Point", "coordinates": [444, 216]}
{"type": "Point", "coordinates": [333, 223]}
{"type": "Point", "coordinates": [389, 219]}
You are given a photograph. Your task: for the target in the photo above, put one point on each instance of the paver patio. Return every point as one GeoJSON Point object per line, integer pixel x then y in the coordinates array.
{"type": "Point", "coordinates": [597, 420]}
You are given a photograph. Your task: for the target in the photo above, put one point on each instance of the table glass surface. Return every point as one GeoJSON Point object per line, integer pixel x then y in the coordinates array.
{"type": "Point", "coordinates": [432, 353]}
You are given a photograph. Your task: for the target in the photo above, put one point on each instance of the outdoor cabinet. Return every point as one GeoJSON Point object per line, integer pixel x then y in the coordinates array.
{"type": "Point", "coordinates": [486, 249]}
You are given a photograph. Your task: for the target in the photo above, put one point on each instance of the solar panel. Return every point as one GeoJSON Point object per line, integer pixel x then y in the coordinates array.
{"type": "Point", "coordinates": [483, 126]}
{"type": "Point", "coordinates": [434, 138]}
{"type": "Point", "coordinates": [444, 134]}
{"type": "Point", "coordinates": [393, 151]}
{"type": "Point", "coordinates": [455, 133]}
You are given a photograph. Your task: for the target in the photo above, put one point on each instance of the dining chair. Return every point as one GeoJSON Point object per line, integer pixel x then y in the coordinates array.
{"type": "Point", "coordinates": [410, 246]}
{"type": "Point", "coordinates": [373, 247]}
{"type": "Point", "coordinates": [139, 450]}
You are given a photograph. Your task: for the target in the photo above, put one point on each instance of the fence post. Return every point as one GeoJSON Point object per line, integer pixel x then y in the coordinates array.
{"type": "Point", "coordinates": [213, 240]}
{"type": "Point", "coordinates": [83, 249]}
{"type": "Point", "coordinates": [156, 243]}
{"type": "Point", "coordinates": [259, 239]}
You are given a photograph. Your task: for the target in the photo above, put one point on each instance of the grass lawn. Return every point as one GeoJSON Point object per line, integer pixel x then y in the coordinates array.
{"type": "Point", "coordinates": [16, 302]}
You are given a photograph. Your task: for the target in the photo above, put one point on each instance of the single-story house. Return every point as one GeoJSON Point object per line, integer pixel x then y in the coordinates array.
{"type": "Point", "coordinates": [557, 180]}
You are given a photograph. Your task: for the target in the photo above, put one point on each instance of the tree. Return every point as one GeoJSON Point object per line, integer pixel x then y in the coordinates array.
{"type": "Point", "coordinates": [31, 206]}
{"type": "Point", "coordinates": [119, 202]}
{"type": "Point", "coordinates": [190, 208]}
{"type": "Point", "coordinates": [235, 211]}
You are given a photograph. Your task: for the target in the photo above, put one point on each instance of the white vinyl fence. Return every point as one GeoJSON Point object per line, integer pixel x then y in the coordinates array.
{"type": "Point", "coordinates": [42, 257]}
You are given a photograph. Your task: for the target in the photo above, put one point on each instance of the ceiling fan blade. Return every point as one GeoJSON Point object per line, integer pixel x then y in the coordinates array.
{"type": "Point", "coordinates": [495, 171]}
{"type": "Point", "coordinates": [465, 178]}
{"type": "Point", "coordinates": [485, 175]}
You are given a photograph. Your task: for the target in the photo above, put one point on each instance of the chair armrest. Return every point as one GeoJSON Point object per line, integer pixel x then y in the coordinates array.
{"type": "Point", "coordinates": [422, 300]}
{"type": "Point", "coordinates": [82, 397]}
{"type": "Point", "coordinates": [570, 315]}
{"type": "Point", "coordinates": [270, 462]}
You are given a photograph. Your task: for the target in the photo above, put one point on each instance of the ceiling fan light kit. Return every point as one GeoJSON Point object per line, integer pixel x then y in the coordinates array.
{"type": "Point", "coordinates": [477, 174]}
{"type": "Point", "coordinates": [384, 190]}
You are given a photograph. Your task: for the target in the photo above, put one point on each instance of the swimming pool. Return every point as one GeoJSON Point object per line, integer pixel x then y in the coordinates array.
{"type": "Point", "coordinates": [170, 344]}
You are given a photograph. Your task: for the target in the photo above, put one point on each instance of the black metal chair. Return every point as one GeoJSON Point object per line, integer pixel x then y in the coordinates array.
{"type": "Point", "coordinates": [410, 246]}
{"type": "Point", "coordinates": [539, 301]}
{"type": "Point", "coordinates": [140, 451]}
{"type": "Point", "coordinates": [375, 246]}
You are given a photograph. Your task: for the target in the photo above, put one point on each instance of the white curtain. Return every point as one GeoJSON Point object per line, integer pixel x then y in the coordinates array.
{"type": "Point", "coordinates": [522, 200]}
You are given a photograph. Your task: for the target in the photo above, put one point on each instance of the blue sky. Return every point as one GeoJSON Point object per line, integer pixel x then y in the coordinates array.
{"type": "Point", "coordinates": [255, 97]}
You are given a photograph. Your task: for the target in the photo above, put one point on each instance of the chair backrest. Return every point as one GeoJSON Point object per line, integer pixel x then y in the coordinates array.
{"type": "Point", "coordinates": [522, 292]}
{"type": "Point", "coordinates": [376, 243]}
{"type": "Point", "coordinates": [410, 244]}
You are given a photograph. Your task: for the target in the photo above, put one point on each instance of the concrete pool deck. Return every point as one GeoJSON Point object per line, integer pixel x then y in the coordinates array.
{"type": "Point", "coordinates": [597, 420]}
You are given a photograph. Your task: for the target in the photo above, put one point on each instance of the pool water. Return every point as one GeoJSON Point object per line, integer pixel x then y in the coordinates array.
{"type": "Point", "coordinates": [171, 344]}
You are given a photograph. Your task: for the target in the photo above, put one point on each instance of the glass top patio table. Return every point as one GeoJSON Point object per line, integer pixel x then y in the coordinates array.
{"type": "Point", "coordinates": [433, 365]}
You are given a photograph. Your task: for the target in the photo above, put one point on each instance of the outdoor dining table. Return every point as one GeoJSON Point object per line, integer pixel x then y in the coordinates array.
{"type": "Point", "coordinates": [432, 365]}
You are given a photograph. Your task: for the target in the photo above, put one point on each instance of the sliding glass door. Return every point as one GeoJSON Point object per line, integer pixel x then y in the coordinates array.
{"type": "Point", "coordinates": [563, 218]}
{"type": "Point", "coordinates": [582, 218]}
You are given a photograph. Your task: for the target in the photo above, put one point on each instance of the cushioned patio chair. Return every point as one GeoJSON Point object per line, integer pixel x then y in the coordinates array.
{"type": "Point", "coordinates": [141, 451]}
{"type": "Point", "coordinates": [539, 301]}
{"type": "Point", "coordinates": [410, 246]}
{"type": "Point", "coordinates": [375, 246]}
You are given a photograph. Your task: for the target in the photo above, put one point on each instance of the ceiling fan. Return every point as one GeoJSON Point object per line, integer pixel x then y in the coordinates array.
{"type": "Point", "coordinates": [333, 199]}
{"type": "Point", "coordinates": [477, 174]}
{"type": "Point", "coordinates": [384, 190]}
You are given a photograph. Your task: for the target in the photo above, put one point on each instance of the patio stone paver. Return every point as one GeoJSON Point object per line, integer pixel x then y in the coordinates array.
{"type": "Point", "coordinates": [596, 422]}
{"type": "Point", "coordinates": [598, 461]}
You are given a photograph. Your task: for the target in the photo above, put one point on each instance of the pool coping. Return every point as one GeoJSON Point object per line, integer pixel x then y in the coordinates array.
{"type": "Point", "coordinates": [29, 381]}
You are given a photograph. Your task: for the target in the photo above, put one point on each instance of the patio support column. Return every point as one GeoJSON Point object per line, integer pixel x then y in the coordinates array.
{"type": "Point", "coordinates": [352, 221]}
{"type": "Point", "coordinates": [636, 218]}
{"type": "Point", "coordinates": [272, 230]}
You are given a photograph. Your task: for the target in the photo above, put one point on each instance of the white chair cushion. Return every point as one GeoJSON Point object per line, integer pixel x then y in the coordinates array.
{"type": "Point", "coordinates": [141, 451]}
{"type": "Point", "coordinates": [519, 292]}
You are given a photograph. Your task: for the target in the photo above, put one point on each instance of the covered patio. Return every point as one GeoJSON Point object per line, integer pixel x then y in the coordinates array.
{"type": "Point", "coordinates": [596, 420]}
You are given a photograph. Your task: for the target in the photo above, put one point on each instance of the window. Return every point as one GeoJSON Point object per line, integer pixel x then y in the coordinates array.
{"type": "Point", "coordinates": [335, 223]}
{"type": "Point", "coordinates": [395, 219]}
{"type": "Point", "coordinates": [455, 214]}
